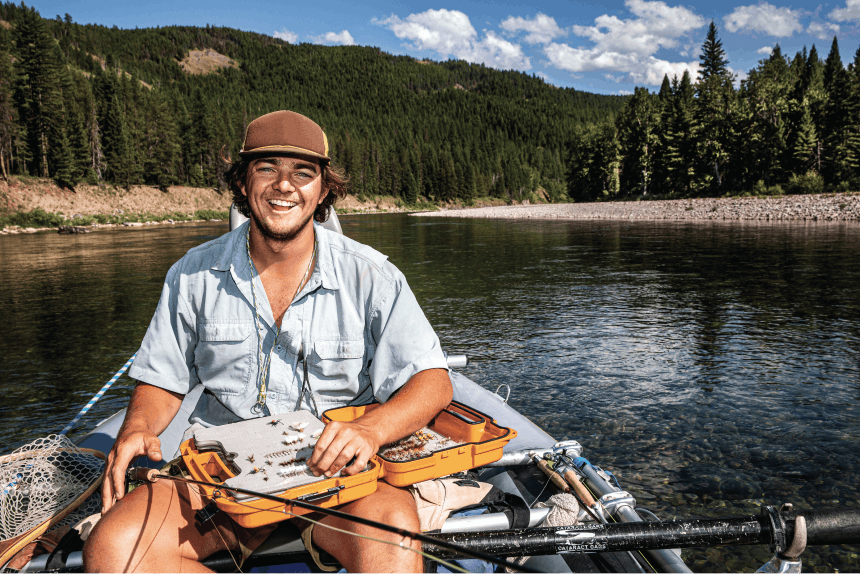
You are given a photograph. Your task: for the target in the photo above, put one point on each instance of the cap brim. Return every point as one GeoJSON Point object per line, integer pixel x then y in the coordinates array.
{"type": "Point", "coordinates": [270, 149]}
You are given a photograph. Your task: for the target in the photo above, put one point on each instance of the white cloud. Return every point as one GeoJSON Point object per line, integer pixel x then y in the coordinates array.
{"type": "Point", "coordinates": [623, 93]}
{"type": "Point", "coordinates": [450, 33]}
{"type": "Point", "coordinates": [628, 46]}
{"type": "Point", "coordinates": [765, 18]}
{"type": "Point", "coordinates": [286, 36]}
{"type": "Point", "coordinates": [343, 38]}
{"type": "Point", "coordinates": [766, 50]}
{"type": "Point", "coordinates": [657, 26]}
{"type": "Point", "coordinates": [824, 31]}
{"type": "Point", "coordinates": [850, 12]}
{"type": "Point", "coordinates": [541, 28]}
{"type": "Point", "coordinates": [648, 70]}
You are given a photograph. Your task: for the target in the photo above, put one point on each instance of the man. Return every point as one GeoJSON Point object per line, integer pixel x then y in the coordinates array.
{"type": "Point", "coordinates": [277, 315]}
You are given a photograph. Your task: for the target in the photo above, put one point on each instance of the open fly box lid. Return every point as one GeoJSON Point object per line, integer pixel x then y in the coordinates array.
{"type": "Point", "coordinates": [458, 438]}
{"type": "Point", "coordinates": [269, 455]}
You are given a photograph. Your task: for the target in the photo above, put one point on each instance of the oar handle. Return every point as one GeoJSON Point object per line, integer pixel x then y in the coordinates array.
{"type": "Point", "coordinates": [580, 489]}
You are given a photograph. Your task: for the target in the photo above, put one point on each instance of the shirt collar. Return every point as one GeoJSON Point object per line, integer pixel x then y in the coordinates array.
{"type": "Point", "coordinates": [235, 254]}
{"type": "Point", "coordinates": [325, 263]}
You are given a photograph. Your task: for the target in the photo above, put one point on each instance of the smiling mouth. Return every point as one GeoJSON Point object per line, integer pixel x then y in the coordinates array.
{"type": "Point", "coordinates": [281, 203]}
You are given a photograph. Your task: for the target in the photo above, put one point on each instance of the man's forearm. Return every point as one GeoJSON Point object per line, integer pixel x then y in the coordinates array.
{"type": "Point", "coordinates": [150, 409]}
{"type": "Point", "coordinates": [412, 407]}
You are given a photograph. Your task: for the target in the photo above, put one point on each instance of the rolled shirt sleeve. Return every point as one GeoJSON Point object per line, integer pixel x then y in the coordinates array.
{"type": "Point", "coordinates": [166, 355]}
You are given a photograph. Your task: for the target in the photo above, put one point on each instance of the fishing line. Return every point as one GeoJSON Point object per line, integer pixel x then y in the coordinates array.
{"type": "Point", "coordinates": [364, 536]}
{"type": "Point", "coordinates": [336, 513]}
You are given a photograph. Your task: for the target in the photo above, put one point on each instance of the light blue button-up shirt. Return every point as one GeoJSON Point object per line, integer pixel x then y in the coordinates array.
{"type": "Point", "coordinates": [363, 331]}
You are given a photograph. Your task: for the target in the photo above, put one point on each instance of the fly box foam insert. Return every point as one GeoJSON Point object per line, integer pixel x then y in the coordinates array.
{"type": "Point", "coordinates": [271, 452]}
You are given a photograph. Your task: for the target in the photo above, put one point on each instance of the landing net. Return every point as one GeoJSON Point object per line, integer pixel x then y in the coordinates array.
{"type": "Point", "coordinates": [46, 483]}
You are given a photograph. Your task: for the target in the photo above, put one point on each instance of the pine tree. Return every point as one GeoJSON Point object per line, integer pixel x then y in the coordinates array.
{"type": "Point", "coordinates": [714, 105]}
{"type": "Point", "coordinates": [840, 154]}
{"type": "Point", "coordinates": [637, 132]}
{"type": "Point", "coordinates": [804, 150]}
{"type": "Point", "coordinates": [9, 130]}
{"type": "Point", "coordinates": [39, 94]}
{"type": "Point", "coordinates": [116, 144]}
{"type": "Point", "coordinates": [713, 56]}
{"type": "Point", "coordinates": [681, 152]}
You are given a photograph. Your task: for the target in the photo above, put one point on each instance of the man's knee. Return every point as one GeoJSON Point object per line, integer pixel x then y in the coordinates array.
{"type": "Point", "coordinates": [142, 527]}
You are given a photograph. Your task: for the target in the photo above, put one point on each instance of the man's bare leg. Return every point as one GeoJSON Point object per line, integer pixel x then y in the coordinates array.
{"type": "Point", "coordinates": [390, 505]}
{"type": "Point", "coordinates": [153, 529]}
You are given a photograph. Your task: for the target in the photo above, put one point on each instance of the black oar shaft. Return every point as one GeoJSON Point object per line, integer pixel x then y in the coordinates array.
{"type": "Point", "coordinates": [827, 526]}
{"type": "Point", "coordinates": [610, 537]}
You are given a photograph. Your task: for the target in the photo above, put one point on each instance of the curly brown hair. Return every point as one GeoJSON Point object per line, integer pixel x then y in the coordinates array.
{"type": "Point", "coordinates": [334, 180]}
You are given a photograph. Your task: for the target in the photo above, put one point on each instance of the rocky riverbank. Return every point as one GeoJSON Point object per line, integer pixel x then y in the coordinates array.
{"type": "Point", "coordinates": [143, 205]}
{"type": "Point", "coordinates": [826, 207]}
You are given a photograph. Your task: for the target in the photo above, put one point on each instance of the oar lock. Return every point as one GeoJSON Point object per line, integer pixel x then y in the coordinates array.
{"type": "Point", "coordinates": [785, 559]}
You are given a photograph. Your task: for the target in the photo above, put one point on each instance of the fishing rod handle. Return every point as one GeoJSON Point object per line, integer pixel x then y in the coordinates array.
{"type": "Point", "coordinates": [142, 474]}
{"type": "Point", "coordinates": [553, 476]}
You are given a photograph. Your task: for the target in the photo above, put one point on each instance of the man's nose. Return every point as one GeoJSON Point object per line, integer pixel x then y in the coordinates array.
{"type": "Point", "coordinates": [285, 183]}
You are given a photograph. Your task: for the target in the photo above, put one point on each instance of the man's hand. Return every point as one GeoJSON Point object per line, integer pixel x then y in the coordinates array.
{"type": "Point", "coordinates": [150, 410]}
{"type": "Point", "coordinates": [127, 447]}
{"type": "Point", "coordinates": [412, 407]}
{"type": "Point", "coordinates": [341, 442]}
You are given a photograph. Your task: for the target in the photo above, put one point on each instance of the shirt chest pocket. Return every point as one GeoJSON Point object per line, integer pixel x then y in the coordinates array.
{"type": "Point", "coordinates": [338, 359]}
{"type": "Point", "coordinates": [223, 356]}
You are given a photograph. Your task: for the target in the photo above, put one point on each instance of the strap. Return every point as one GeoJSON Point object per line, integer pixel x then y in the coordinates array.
{"type": "Point", "coordinates": [497, 500]}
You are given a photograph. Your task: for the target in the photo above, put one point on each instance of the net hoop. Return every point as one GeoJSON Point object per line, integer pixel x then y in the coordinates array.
{"type": "Point", "coordinates": [10, 547]}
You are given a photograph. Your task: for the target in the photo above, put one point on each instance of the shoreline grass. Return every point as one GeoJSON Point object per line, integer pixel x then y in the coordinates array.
{"type": "Point", "coordinates": [38, 218]}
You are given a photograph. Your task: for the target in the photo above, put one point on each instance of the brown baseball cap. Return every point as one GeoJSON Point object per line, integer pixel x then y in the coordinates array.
{"type": "Point", "coordinates": [285, 131]}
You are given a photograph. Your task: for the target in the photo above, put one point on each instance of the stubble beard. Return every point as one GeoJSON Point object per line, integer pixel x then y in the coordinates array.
{"type": "Point", "coordinates": [280, 236]}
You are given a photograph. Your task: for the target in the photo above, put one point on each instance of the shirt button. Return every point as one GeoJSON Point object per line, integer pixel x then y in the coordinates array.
{"type": "Point", "coordinates": [279, 348]}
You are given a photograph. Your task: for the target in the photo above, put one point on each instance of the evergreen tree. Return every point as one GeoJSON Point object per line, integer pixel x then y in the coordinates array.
{"type": "Point", "coordinates": [713, 56]}
{"type": "Point", "coordinates": [9, 130]}
{"type": "Point", "coordinates": [39, 95]}
{"type": "Point", "coordinates": [714, 111]}
{"type": "Point", "coordinates": [637, 132]}
{"type": "Point", "coordinates": [116, 144]}
{"type": "Point", "coordinates": [804, 150]}
{"type": "Point", "coordinates": [681, 154]}
{"type": "Point", "coordinates": [840, 153]}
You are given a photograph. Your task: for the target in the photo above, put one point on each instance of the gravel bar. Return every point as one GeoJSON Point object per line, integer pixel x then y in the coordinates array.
{"type": "Point", "coordinates": [826, 207]}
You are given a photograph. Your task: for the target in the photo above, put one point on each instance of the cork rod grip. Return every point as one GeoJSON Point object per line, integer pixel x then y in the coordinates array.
{"type": "Point", "coordinates": [139, 474]}
{"type": "Point", "coordinates": [553, 476]}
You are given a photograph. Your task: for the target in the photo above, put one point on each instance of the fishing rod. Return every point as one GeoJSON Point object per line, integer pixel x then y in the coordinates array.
{"type": "Point", "coordinates": [788, 532]}
{"type": "Point", "coordinates": [151, 475]}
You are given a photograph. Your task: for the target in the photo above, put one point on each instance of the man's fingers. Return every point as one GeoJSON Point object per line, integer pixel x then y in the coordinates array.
{"type": "Point", "coordinates": [153, 448]}
{"type": "Point", "coordinates": [358, 464]}
{"type": "Point", "coordinates": [340, 459]}
{"type": "Point", "coordinates": [324, 441]}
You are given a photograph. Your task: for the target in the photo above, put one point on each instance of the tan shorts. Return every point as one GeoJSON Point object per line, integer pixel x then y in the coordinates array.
{"type": "Point", "coordinates": [307, 529]}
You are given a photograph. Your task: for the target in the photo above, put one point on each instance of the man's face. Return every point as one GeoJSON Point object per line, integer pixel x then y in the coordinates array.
{"type": "Point", "coordinates": [283, 192]}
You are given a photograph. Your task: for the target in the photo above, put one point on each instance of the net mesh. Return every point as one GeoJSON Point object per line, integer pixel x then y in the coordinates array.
{"type": "Point", "coordinates": [41, 479]}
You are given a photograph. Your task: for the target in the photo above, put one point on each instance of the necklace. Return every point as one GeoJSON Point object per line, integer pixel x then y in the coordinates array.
{"type": "Point", "coordinates": [264, 367]}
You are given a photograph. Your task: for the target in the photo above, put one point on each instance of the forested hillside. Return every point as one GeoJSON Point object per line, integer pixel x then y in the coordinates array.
{"type": "Point", "coordinates": [792, 126]}
{"type": "Point", "coordinates": [86, 103]}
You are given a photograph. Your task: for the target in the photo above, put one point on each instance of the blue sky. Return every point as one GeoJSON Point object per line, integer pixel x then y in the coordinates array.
{"type": "Point", "coordinates": [606, 48]}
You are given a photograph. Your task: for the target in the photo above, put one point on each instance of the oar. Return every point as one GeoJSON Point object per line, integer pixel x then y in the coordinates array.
{"type": "Point", "coordinates": [825, 526]}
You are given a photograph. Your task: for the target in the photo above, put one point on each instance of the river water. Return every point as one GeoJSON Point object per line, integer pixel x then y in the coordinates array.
{"type": "Point", "coordinates": [713, 367]}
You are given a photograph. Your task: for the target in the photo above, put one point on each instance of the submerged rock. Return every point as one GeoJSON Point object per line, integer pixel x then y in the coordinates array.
{"type": "Point", "coordinates": [70, 229]}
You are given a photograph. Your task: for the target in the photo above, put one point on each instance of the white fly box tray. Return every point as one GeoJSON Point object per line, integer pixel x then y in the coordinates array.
{"type": "Point", "coordinates": [268, 455]}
